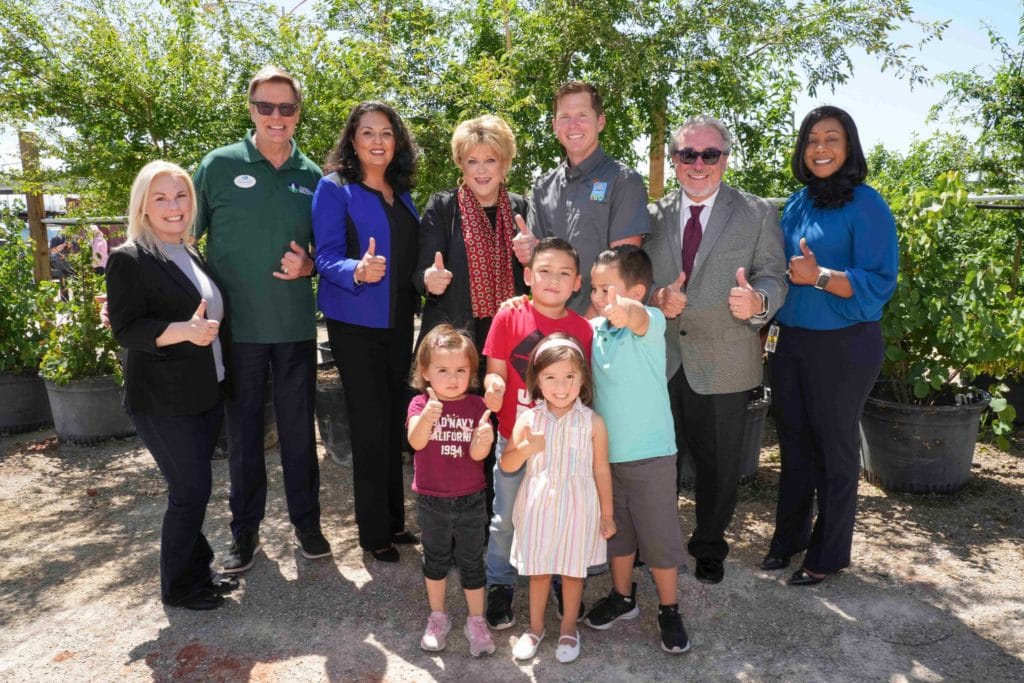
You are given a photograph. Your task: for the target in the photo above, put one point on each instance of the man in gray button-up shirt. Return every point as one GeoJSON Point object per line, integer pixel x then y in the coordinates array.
{"type": "Point", "coordinates": [590, 199]}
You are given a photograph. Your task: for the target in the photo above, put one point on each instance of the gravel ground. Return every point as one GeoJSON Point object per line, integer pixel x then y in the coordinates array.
{"type": "Point", "coordinates": [935, 592]}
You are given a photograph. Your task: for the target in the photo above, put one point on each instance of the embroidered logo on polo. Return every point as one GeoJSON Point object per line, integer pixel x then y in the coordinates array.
{"type": "Point", "coordinates": [244, 181]}
{"type": "Point", "coordinates": [299, 189]}
{"type": "Point", "coordinates": [598, 191]}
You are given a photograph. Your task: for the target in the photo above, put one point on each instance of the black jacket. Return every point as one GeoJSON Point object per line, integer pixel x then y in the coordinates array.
{"type": "Point", "coordinates": [441, 231]}
{"type": "Point", "coordinates": [145, 293]}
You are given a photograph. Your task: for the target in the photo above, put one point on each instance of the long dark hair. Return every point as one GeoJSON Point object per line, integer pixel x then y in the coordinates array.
{"type": "Point", "coordinates": [837, 189]}
{"type": "Point", "coordinates": [343, 160]}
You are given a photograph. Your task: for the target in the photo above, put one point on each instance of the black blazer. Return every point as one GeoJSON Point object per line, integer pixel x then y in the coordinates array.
{"type": "Point", "coordinates": [441, 231]}
{"type": "Point", "coordinates": [145, 293]}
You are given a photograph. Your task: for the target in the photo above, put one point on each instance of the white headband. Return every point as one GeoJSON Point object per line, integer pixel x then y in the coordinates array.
{"type": "Point", "coordinates": [555, 343]}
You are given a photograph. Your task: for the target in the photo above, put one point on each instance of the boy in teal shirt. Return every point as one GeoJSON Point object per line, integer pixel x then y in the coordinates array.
{"type": "Point", "coordinates": [631, 394]}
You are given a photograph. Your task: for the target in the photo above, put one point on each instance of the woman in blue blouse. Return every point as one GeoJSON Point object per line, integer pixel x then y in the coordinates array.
{"type": "Point", "coordinates": [367, 242]}
{"type": "Point", "coordinates": [840, 238]}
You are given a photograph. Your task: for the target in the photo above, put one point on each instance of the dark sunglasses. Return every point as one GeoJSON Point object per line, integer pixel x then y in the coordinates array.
{"type": "Point", "coordinates": [287, 109]}
{"type": "Point", "coordinates": [688, 155]}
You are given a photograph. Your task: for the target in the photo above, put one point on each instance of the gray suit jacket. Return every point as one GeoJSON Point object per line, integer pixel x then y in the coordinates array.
{"type": "Point", "coordinates": [719, 353]}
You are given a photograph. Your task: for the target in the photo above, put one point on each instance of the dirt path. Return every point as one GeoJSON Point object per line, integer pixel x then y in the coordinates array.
{"type": "Point", "coordinates": [935, 593]}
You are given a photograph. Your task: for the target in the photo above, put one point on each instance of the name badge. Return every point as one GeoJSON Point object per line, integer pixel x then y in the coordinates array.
{"type": "Point", "coordinates": [244, 181]}
{"type": "Point", "coordinates": [598, 190]}
{"type": "Point", "coordinates": [295, 187]}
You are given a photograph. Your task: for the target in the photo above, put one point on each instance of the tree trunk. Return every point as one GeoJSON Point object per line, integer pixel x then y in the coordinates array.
{"type": "Point", "coordinates": [656, 158]}
{"type": "Point", "coordinates": [34, 202]}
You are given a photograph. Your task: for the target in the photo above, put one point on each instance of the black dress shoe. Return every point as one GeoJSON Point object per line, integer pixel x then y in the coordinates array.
{"type": "Point", "coordinates": [801, 578]}
{"type": "Point", "coordinates": [204, 600]}
{"type": "Point", "coordinates": [386, 554]}
{"type": "Point", "coordinates": [709, 571]}
{"type": "Point", "coordinates": [222, 584]}
{"type": "Point", "coordinates": [405, 538]}
{"type": "Point", "coordinates": [772, 562]}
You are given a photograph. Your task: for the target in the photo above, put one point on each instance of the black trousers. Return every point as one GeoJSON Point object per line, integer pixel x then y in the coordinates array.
{"type": "Point", "coordinates": [294, 371]}
{"type": "Point", "coordinates": [374, 367]}
{"type": "Point", "coordinates": [182, 446]}
{"type": "Point", "coordinates": [454, 528]}
{"type": "Point", "coordinates": [820, 381]}
{"type": "Point", "coordinates": [711, 425]}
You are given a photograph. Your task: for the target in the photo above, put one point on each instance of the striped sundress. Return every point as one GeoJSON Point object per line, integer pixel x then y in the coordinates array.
{"type": "Point", "coordinates": [557, 515]}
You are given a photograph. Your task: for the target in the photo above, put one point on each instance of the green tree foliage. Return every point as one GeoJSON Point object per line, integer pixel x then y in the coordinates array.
{"type": "Point", "coordinates": [21, 333]}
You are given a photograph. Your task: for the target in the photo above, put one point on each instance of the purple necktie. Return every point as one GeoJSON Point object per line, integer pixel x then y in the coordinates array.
{"type": "Point", "coordinates": [691, 239]}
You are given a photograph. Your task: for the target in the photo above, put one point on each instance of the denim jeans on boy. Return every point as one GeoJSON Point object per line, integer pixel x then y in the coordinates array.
{"type": "Point", "coordinates": [499, 569]}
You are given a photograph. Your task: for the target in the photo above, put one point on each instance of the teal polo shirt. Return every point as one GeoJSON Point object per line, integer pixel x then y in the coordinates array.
{"type": "Point", "coordinates": [631, 391]}
{"type": "Point", "coordinates": [250, 212]}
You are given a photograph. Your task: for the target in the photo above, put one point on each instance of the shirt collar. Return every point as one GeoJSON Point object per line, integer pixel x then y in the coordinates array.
{"type": "Point", "coordinates": [577, 407]}
{"type": "Point", "coordinates": [708, 203]}
{"type": "Point", "coordinates": [584, 167]}
{"type": "Point", "coordinates": [254, 155]}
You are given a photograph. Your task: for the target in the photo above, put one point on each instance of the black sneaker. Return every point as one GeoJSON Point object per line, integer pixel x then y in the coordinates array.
{"type": "Point", "coordinates": [240, 556]}
{"type": "Point", "coordinates": [312, 543]}
{"type": "Point", "coordinates": [499, 607]}
{"type": "Point", "coordinates": [556, 588]}
{"type": "Point", "coordinates": [673, 635]}
{"type": "Point", "coordinates": [607, 610]}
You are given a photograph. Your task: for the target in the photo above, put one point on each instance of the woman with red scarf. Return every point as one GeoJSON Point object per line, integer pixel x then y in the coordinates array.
{"type": "Point", "coordinates": [473, 240]}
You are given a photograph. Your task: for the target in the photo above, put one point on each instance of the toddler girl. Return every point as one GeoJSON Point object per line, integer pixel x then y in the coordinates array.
{"type": "Point", "coordinates": [563, 512]}
{"type": "Point", "coordinates": [451, 432]}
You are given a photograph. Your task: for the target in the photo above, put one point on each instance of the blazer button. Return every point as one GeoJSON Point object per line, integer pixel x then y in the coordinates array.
{"type": "Point", "coordinates": [682, 333]}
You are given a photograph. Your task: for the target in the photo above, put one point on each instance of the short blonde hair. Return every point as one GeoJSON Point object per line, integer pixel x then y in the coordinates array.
{"type": "Point", "coordinates": [488, 130]}
{"type": "Point", "coordinates": [275, 73]}
{"type": "Point", "coordinates": [139, 229]}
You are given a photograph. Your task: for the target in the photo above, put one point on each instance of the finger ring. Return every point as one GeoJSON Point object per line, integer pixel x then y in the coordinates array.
{"type": "Point", "coordinates": [284, 270]}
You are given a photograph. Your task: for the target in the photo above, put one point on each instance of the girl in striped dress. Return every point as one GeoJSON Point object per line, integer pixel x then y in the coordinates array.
{"type": "Point", "coordinates": [563, 512]}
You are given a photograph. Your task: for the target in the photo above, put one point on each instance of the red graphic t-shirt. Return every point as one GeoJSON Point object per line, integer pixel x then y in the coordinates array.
{"type": "Point", "coordinates": [512, 338]}
{"type": "Point", "coordinates": [444, 468]}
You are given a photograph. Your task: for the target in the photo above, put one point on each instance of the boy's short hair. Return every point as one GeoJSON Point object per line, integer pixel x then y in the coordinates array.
{"type": "Point", "coordinates": [633, 264]}
{"type": "Point", "coordinates": [575, 87]}
{"type": "Point", "coordinates": [556, 244]}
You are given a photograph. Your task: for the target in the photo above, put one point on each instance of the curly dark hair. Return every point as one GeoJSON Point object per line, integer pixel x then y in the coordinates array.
{"type": "Point", "coordinates": [343, 160]}
{"type": "Point", "coordinates": [837, 189]}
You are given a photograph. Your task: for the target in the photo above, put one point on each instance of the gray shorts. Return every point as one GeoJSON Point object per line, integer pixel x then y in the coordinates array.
{"type": "Point", "coordinates": [646, 510]}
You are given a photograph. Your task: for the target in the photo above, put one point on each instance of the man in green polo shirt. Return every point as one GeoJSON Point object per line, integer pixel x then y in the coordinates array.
{"type": "Point", "coordinates": [254, 204]}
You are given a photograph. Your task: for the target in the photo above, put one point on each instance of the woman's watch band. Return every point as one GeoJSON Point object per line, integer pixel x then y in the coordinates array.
{"type": "Point", "coordinates": [824, 275]}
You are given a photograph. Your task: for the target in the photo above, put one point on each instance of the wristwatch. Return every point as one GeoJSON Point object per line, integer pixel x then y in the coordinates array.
{"type": "Point", "coordinates": [824, 275]}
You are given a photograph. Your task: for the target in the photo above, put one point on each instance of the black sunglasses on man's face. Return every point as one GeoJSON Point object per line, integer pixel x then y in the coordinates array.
{"type": "Point", "coordinates": [688, 155]}
{"type": "Point", "coordinates": [287, 109]}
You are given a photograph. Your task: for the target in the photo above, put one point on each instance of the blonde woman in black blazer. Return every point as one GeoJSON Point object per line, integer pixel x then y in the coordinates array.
{"type": "Point", "coordinates": [166, 311]}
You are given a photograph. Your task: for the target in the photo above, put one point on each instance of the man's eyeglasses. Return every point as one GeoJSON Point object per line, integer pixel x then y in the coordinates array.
{"type": "Point", "coordinates": [688, 155]}
{"type": "Point", "coordinates": [287, 109]}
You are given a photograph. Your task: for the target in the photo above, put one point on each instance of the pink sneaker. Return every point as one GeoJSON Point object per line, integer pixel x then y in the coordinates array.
{"type": "Point", "coordinates": [435, 637]}
{"type": "Point", "coordinates": [479, 637]}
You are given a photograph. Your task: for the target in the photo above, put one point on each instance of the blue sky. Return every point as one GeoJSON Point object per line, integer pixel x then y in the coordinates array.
{"type": "Point", "coordinates": [885, 110]}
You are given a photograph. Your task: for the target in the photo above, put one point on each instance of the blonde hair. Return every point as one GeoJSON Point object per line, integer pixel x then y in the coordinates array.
{"type": "Point", "coordinates": [488, 130]}
{"type": "Point", "coordinates": [139, 229]}
{"type": "Point", "coordinates": [444, 337]}
{"type": "Point", "coordinates": [271, 73]}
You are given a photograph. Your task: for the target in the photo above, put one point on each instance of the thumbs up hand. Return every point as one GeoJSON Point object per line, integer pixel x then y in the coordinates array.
{"type": "Point", "coordinates": [803, 269]}
{"type": "Point", "coordinates": [433, 408]}
{"type": "Point", "coordinates": [371, 267]}
{"type": "Point", "coordinates": [671, 299]}
{"type": "Point", "coordinates": [523, 242]}
{"type": "Point", "coordinates": [615, 310]}
{"type": "Point", "coordinates": [483, 435]}
{"type": "Point", "coordinates": [201, 331]}
{"type": "Point", "coordinates": [436, 278]}
{"type": "Point", "coordinates": [744, 300]}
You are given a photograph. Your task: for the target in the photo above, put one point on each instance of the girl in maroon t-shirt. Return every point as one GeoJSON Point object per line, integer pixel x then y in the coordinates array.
{"type": "Point", "coordinates": [452, 434]}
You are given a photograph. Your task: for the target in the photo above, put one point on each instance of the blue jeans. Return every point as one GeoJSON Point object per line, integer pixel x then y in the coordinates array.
{"type": "Point", "coordinates": [499, 569]}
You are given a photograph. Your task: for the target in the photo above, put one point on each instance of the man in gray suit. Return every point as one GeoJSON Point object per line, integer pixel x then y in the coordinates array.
{"type": "Point", "coordinates": [719, 271]}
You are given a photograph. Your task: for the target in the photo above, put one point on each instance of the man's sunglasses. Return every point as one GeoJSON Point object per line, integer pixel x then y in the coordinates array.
{"type": "Point", "coordinates": [287, 109]}
{"type": "Point", "coordinates": [688, 155]}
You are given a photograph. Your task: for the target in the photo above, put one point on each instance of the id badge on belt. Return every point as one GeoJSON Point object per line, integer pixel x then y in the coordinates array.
{"type": "Point", "coordinates": [773, 338]}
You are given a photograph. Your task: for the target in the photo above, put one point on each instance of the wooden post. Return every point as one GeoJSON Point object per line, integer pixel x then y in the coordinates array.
{"type": "Point", "coordinates": [34, 202]}
{"type": "Point", "coordinates": [656, 153]}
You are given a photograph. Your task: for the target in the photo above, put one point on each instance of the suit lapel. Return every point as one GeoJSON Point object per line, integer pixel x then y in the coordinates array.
{"type": "Point", "coordinates": [179, 277]}
{"type": "Point", "coordinates": [675, 239]}
{"type": "Point", "coordinates": [720, 214]}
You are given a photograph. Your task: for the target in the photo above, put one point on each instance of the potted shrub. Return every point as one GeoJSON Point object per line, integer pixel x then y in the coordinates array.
{"type": "Point", "coordinates": [80, 363]}
{"type": "Point", "coordinates": [23, 403]}
{"type": "Point", "coordinates": [332, 414]}
{"type": "Point", "coordinates": [953, 315]}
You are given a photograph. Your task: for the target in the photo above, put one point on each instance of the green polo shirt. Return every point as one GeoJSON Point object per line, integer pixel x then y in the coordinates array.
{"type": "Point", "coordinates": [251, 211]}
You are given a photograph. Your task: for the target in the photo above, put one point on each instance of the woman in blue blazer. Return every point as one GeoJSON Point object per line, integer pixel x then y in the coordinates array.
{"type": "Point", "coordinates": [367, 242]}
{"type": "Point", "coordinates": [166, 311]}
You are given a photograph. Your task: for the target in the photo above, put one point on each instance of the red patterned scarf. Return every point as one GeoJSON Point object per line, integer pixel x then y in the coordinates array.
{"type": "Point", "coordinates": [488, 251]}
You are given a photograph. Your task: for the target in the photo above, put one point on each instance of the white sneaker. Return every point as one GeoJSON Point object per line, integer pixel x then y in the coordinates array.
{"type": "Point", "coordinates": [567, 652]}
{"type": "Point", "coordinates": [436, 635]}
{"type": "Point", "coordinates": [526, 646]}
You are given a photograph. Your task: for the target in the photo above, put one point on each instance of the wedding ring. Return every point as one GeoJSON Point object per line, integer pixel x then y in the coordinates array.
{"type": "Point", "coordinates": [284, 270]}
